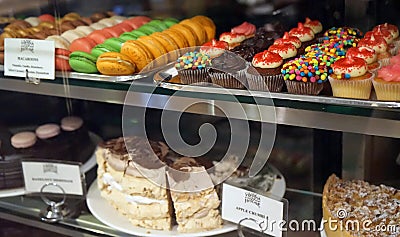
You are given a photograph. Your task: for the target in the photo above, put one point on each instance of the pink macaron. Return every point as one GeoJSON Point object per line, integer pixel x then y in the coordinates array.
{"type": "Point", "coordinates": [23, 140]}
{"type": "Point", "coordinates": [62, 60]}
{"type": "Point", "coordinates": [46, 17]}
{"type": "Point", "coordinates": [71, 123]}
{"type": "Point", "coordinates": [47, 131]}
{"type": "Point", "coordinates": [84, 44]}
{"type": "Point", "coordinates": [125, 26]}
{"type": "Point", "coordinates": [99, 36]}
{"type": "Point", "coordinates": [114, 31]}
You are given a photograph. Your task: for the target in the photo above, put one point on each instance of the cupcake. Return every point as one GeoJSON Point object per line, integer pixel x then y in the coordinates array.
{"type": "Point", "coordinates": [232, 39]}
{"type": "Point", "coordinates": [265, 74]}
{"type": "Point", "coordinates": [367, 54]}
{"type": "Point", "coordinates": [228, 70]}
{"type": "Point", "coordinates": [192, 68]}
{"type": "Point", "coordinates": [246, 29]}
{"type": "Point", "coordinates": [286, 50]}
{"type": "Point", "coordinates": [351, 79]}
{"type": "Point", "coordinates": [380, 46]}
{"type": "Point", "coordinates": [342, 32]}
{"type": "Point", "coordinates": [245, 51]}
{"type": "Point", "coordinates": [315, 26]}
{"type": "Point", "coordinates": [305, 75]}
{"type": "Point", "coordinates": [394, 30]}
{"type": "Point", "coordinates": [386, 35]}
{"type": "Point", "coordinates": [214, 48]}
{"type": "Point", "coordinates": [305, 35]}
{"type": "Point", "coordinates": [291, 40]}
{"type": "Point", "coordinates": [387, 83]}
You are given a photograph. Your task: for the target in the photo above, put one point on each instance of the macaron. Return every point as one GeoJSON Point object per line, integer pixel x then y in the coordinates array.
{"type": "Point", "coordinates": [170, 21]}
{"type": "Point", "coordinates": [100, 49]}
{"type": "Point", "coordinates": [99, 36]}
{"type": "Point", "coordinates": [118, 19]}
{"type": "Point", "coordinates": [61, 60]}
{"type": "Point", "coordinates": [59, 42]}
{"type": "Point", "coordinates": [47, 131]}
{"type": "Point", "coordinates": [114, 31]}
{"type": "Point", "coordinates": [137, 21]}
{"type": "Point", "coordinates": [84, 44]}
{"type": "Point", "coordinates": [34, 21]}
{"type": "Point", "coordinates": [72, 35]}
{"type": "Point", "coordinates": [98, 26]}
{"type": "Point", "coordinates": [71, 16]}
{"type": "Point", "coordinates": [23, 140]}
{"type": "Point", "coordinates": [124, 26]}
{"type": "Point", "coordinates": [71, 123]}
{"type": "Point", "coordinates": [115, 43]}
{"type": "Point", "coordinates": [84, 29]}
{"type": "Point", "coordinates": [46, 17]}
{"type": "Point", "coordinates": [115, 64]}
{"type": "Point", "coordinates": [108, 22]}
{"type": "Point", "coordinates": [83, 62]}
{"type": "Point", "coordinates": [148, 29]}
{"type": "Point", "coordinates": [158, 24]}
{"type": "Point", "coordinates": [128, 36]}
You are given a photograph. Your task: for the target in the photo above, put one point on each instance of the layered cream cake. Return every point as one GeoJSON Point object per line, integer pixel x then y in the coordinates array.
{"type": "Point", "coordinates": [196, 209]}
{"type": "Point", "coordinates": [139, 195]}
{"type": "Point", "coordinates": [357, 208]}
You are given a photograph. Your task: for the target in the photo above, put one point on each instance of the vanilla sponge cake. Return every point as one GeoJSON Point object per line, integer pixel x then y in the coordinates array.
{"type": "Point", "coordinates": [145, 203]}
{"type": "Point", "coordinates": [194, 211]}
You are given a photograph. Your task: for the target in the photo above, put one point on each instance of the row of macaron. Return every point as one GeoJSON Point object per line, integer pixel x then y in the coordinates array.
{"type": "Point", "coordinates": [133, 51]}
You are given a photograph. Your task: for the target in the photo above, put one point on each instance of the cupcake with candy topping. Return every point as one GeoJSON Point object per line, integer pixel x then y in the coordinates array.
{"type": "Point", "coordinates": [247, 29]}
{"type": "Point", "coordinates": [232, 39]}
{"type": "Point", "coordinates": [228, 70]}
{"type": "Point", "coordinates": [265, 73]}
{"type": "Point", "coordinates": [350, 78]}
{"type": "Point", "coordinates": [377, 43]}
{"type": "Point", "coordinates": [387, 83]}
{"type": "Point", "coordinates": [315, 26]}
{"type": "Point", "coordinates": [342, 32]}
{"type": "Point", "coordinates": [367, 54]}
{"type": "Point", "coordinates": [290, 40]}
{"type": "Point", "coordinates": [305, 35]}
{"type": "Point", "coordinates": [192, 68]}
{"type": "Point", "coordinates": [214, 48]}
{"type": "Point", "coordinates": [286, 50]}
{"type": "Point", "coordinates": [305, 75]}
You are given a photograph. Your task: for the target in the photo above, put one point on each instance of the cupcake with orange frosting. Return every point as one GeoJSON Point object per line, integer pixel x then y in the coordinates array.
{"type": "Point", "coordinates": [214, 48]}
{"type": "Point", "coordinates": [265, 74]}
{"type": "Point", "coordinates": [366, 53]}
{"type": "Point", "coordinates": [350, 78]}
{"type": "Point", "coordinates": [387, 83]}
{"type": "Point", "coordinates": [286, 50]}
{"type": "Point", "coordinates": [233, 39]}
{"type": "Point", "coordinates": [315, 26]}
{"type": "Point", "coordinates": [247, 29]}
{"type": "Point", "coordinates": [305, 35]}
{"type": "Point", "coordinates": [377, 43]}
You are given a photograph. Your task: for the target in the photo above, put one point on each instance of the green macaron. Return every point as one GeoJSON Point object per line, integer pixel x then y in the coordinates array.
{"type": "Point", "coordinates": [170, 21]}
{"type": "Point", "coordinates": [115, 43]}
{"type": "Point", "coordinates": [102, 48]}
{"type": "Point", "coordinates": [158, 24]}
{"type": "Point", "coordinates": [148, 29]}
{"type": "Point", "coordinates": [128, 36]}
{"type": "Point", "coordinates": [83, 62]}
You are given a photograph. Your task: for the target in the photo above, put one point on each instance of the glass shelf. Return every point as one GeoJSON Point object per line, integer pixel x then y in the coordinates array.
{"type": "Point", "coordinates": [321, 112]}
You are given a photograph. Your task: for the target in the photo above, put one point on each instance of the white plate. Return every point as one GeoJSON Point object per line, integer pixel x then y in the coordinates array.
{"type": "Point", "coordinates": [105, 213]}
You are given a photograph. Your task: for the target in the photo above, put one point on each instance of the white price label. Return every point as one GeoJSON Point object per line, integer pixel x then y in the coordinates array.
{"type": "Point", "coordinates": [38, 174]}
{"type": "Point", "coordinates": [267, 214]}
{"type": "Point", "coordinates": [34, 58]}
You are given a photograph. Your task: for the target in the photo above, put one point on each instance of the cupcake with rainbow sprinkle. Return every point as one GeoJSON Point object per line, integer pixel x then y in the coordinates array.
{"type": "Point", "coordinates": [192, 68]}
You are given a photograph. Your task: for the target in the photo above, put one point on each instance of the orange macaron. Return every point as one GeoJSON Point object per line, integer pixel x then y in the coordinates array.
{"type": "Point", "coordinates": [115, 64]}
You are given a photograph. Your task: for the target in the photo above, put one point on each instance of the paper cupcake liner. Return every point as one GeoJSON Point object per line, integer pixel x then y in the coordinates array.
{"type": "Point", "coordinates": [384, 62]}
{"type": "Point", "coordinates": [265, 83]}
{"type": "Point", "coordinates": [396, 42]}
{"type": "Point", "coordinates": [393, 51]}
{"type": "Point", "coordinates": [356, 89]}
{"type": "Point", "coordinates": [189, 76]}
{"type": "Point", "coordinates": [226, 80]}
{"type": "Point", "coordinates": [389, 91]}
{"type": "Point", "coordinates": [375, 69]}
{"type": "Point", "coordinates": [303, 88]}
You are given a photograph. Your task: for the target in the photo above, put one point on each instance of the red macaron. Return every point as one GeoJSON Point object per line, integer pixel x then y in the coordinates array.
{"type": "Point", "coordinates": [99, 36]}
{"type": "Point", "coordinates": [137, 21]}
{"type": "Point", "coordinates": [46, 17]}
{"type": "Point", "coordinates": [125, 26]}
{"type": "Point", "coordinates": [61, 60]}
{"type": "Point", "coordinates": [84, 44]}
{"type": "Point", "coordinates": [114, 31]}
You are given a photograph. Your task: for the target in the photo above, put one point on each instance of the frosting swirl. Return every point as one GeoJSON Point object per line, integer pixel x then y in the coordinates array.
{"type": "Point", "coordinates": [375, 42]}
{"type": "Point", "coordinates": [289, 39]}
{"type": "Point", "coordinates": [193, 60]}
{"type": "Point", "coordinates": [232, 38]}
{"type": "Point", "coordinates": [228, 62]}
{"type": "Point", "coordinates": [267, 59]}
{"type": "Point", "coordinates": [285, 50]}
{"type": "Point", "coordinates": [214, 48]}
{"type": "Point", "coordinates": [394, 30]}
{"type": "Point", "coordinates": [245, 28]}
{"type": "Point", "coordinates": [315, 25]}
{"type": "Point", "coordinates": [387, 36]}
{"type": "Point", "coordinates": [365, 53]}
{"type": "Point", "coordinates": [303, 33]}
{"type": "Point", "coordinates": [390, 73]}
{"type": "Point", "coordinates": [349, 67]}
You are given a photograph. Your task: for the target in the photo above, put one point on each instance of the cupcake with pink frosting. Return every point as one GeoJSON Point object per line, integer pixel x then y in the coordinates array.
{"type": "Point", "coordinates": [387, 83]}
{"type": "Point", "coordinates": [247, 29]}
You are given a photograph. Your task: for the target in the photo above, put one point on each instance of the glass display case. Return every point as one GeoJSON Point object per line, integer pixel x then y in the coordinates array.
{"type": "Point", "coordinates": [313, 136]}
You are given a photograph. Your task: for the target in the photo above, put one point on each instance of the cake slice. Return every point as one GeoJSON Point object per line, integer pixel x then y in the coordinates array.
{"type": "Point", "coordinates": [196, 210]}
{"type": "Point", "coordinates": [357, 208]}
{"type": "Point", "coordinates": [133, 184]}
